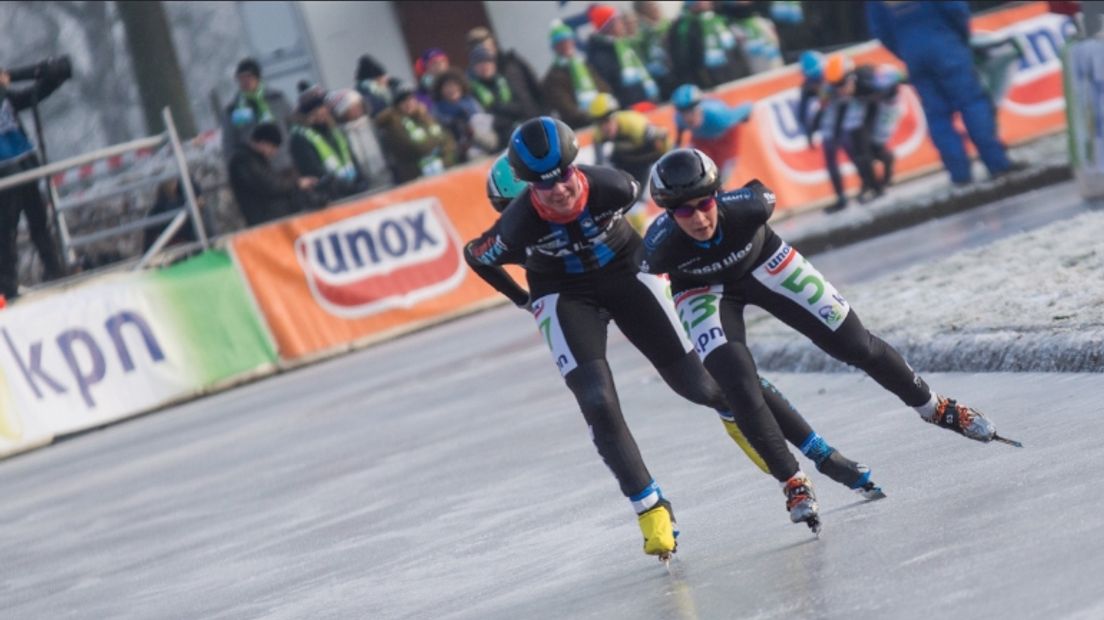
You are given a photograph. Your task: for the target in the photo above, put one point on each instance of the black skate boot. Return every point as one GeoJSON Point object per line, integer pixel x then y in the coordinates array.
{"type": "Point", "coordinates": [843, 470]}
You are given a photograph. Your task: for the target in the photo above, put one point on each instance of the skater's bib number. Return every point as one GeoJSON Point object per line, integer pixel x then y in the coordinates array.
{"type": "Point", "coordinates": [789, 274]}
{"type": "Point", "coordinates": [699, 313]}
{"type": "Point", "coordinates": [548, 321]}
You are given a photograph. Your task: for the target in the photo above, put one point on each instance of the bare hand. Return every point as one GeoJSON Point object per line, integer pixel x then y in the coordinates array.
{"type": "Point", "coordinates": [307, 183]}
{"type": "Point", "coordinates": [5, 79]}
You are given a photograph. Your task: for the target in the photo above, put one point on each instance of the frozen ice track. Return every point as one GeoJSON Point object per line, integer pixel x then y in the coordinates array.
{"type": "Point", "coordinates": [448, 475]}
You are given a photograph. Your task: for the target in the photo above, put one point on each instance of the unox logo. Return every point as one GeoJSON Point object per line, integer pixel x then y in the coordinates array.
{"type": "Point", "coordinates": [393, 257]}
{"type": "Point", "coordinates": [780, 259]}
{"type": "Point", "coordinates": [1037, 85]}
{"type": "Point", "coordinates": [789, 150]}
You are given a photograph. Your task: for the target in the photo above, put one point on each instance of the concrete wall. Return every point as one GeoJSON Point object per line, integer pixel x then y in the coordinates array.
{"type": "Point", "coordinates": [341, 31]}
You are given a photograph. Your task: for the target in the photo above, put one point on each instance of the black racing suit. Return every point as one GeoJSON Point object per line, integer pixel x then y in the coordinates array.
{"type": "Point", "coordinates": [747, 263]}
{"type": "Point", "coordinates": [873, 91]}
{"type": "Point", "coordinates": [582, 274]}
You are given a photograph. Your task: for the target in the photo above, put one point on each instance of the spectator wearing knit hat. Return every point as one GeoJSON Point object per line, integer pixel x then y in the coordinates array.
{"type": "Point", "coordinates": [457, 110]}
{"type": "Point", "coordinates": [320, 149]}
{"type": "Point", "coordinates": [347, 107]}
{"type": "Point", "coordinates": [262, 192]}
{"type": "Point", "coordinates": [703, 49]}
{"type": "Point", "coordinates": [493, 92]}
{"type": "Point", "coordinates": [253, 104]}
{"type": "Point", "coordinates": [415, 144]}
{"type": "Point", "coordinates": [430, 64]}
{"type": "Point", "coordinates": [375, 85]}
{"type": "Point", "coordinates": [518, 73]}
{"type": "Point", "coordinates": [612, 55]}
{"type": "Point", "coordinates": [570, 84]}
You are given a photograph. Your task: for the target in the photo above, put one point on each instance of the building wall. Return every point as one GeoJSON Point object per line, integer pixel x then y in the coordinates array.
{"type": "Point", "coordinates": [341, 31]}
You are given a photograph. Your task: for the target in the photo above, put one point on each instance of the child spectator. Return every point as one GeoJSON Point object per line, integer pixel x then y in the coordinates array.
{"type": "Point", "coordinates": [571, 84]}
{"type": "Point", "coordinates": [459, 112]}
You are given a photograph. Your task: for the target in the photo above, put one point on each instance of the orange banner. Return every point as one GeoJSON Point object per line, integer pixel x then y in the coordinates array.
{"type": "Point", "coordinates": [386, 263]}
{"type": "Point", "coordinates": [370, 267]}
{"type": "Point", "coordinates": [773, 147]}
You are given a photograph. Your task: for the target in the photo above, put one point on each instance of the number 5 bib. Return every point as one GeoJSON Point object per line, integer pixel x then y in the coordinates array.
{"type": "Point", "coordinates": [790, 275]}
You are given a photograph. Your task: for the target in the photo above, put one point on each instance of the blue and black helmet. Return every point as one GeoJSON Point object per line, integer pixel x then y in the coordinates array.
{"type": "Point", "coordinates": [542, 148]}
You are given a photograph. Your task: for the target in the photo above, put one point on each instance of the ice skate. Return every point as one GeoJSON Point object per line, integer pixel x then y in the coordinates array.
{"type": "Point", "coordinates": [965, 421]}
{"type": "Point", "coordinates": [843, 470]}
{"type": "Point", "coordinates": [801, 502]}
{"type": "Point", "coordinates": [660, 530]}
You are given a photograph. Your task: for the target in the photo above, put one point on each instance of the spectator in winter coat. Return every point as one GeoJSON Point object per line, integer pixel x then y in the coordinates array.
{"type": "Point", "coordinates": [253, 104]}
{"type": "Point", "coordinates": [713, 125]}
{"type": "Point", "coordinates": [320, 149]}
{"type": "Point", "coordinates": [611, 54]}
{"type": "Point", "coordinates": [704, 52]}
{"type": "Point", "coordinates": [571, 84]}
{"type": "Point", "coordinates": [523, 81]}
{"type": "Point", "coordinates": [493, 92]}
{"type": "Point", "coordinates": [375, 85]}
{"type": "Point", "coordinates": [432, 63]}
{"type": "Point", "coordinates": [457, 110]}
{"type": "Point", "coordinates": [347, 108]}
{"type": "Point", "coordinates": [17, 154]}
{"type": "Point", "coordinates": [933, 38]}
{"type": "Point", "coordinates": [650, 42]}
{"type": "Point", "coordinates": [264, 194]}
{"type": "Point", "coordinates": [416, 144]}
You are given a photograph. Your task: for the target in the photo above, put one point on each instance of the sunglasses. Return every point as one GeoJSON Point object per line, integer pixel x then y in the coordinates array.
{"type": "Point", "coordinates": [688, 210]}
{"type": "Point", "coordinates": [564, 177]}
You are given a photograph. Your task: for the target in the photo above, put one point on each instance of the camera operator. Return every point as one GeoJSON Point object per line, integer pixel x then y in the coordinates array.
{"type": "Point", "coordinates": [17, 154]}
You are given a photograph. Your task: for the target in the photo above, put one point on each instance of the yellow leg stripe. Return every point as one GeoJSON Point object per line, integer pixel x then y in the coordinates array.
{"type": "Point", "coordinates": [738, 437]}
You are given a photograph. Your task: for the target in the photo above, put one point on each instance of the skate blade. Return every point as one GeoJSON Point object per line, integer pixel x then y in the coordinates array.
{"type": "Point", "coordinates": [872, 493]}
{"type": "Point", "coordinates": [1011, 442]}
{"type": "Point", "coordinates": [814, 525]}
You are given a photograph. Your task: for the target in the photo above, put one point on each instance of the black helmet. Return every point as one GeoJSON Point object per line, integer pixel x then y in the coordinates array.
{"type": "Point", "coordinates": [683, 175]}
{"type": "Point", "coordinates": [541, 149]}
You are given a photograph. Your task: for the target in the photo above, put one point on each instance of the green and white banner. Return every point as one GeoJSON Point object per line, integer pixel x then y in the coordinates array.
{"type": "Point", "coordinates": [122, 345]}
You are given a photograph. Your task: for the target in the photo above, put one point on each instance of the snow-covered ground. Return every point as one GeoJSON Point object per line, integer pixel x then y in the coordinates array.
{"type": "Point", "coordinates": [1030, 301]}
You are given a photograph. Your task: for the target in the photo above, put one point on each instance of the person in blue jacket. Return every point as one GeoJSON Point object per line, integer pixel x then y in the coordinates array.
{"type": "Point", "coordinates": [713, 126]}
{"type": "Point", "coordinates": [933, 39]}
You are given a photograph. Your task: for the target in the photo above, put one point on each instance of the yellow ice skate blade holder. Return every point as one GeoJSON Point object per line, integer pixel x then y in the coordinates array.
{"type": "Point", "coordinates": [745, 445]}
{"type": "Point", "coordinates": [659, 535]}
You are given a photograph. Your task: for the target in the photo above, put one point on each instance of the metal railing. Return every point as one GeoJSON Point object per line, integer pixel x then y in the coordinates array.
{"type": "Point", "coordinates": [176, 218]}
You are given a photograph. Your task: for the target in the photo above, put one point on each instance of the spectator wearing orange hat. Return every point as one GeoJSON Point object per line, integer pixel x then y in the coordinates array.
{"type": "Point", "coordinates": [612, 55]}
{"type": "Point", "coordinates": [571, 84]}
{"type": "Point", "coordinates": [703, 49]}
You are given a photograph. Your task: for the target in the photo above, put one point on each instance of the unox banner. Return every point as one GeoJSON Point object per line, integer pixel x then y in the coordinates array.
{"type": "Point", "coordinates": [369, 268]}
{"type": "Point", "coordinates": [773, 147]}
{"type": "Point", "coordinates": [123, 345]}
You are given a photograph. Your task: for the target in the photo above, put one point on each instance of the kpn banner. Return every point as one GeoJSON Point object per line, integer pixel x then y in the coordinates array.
{"type": "Point", "coordinates": [123, 345]}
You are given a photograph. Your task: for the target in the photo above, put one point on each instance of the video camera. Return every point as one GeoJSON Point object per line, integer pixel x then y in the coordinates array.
{"type": "Point", "coordinates": [56, 69]}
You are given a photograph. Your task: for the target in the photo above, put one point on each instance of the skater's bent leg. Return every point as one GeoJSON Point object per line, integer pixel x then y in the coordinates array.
{"type": "Point", "coordinates": [592, 384]}
{"type": "Point", "coordinates": [689, 379]}
{"type": "Point", "coordinates": [854, 345]}
{"type": "Point", "coordinates": [734, 368]}
{"type": "Point", "coordinates": [794, 427]}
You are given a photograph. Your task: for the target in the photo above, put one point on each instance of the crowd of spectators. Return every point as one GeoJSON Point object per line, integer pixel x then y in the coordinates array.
{"type": "Point", "coordinates": [380, 132]}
